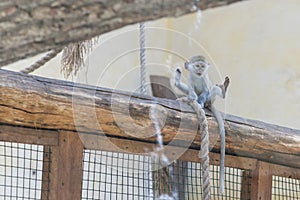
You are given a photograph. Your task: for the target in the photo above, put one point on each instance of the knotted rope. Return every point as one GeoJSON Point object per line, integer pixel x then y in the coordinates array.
{"type": "Point", "coordinates": [41, 62]}
{"type": "Point", "coordinates": [204, 152]}
{"type": "Point", "coordinates": [143, 58]}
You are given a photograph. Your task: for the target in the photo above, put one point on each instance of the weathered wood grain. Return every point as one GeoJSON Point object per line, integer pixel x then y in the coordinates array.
{"type": "Point", "coordinates": [28, 135]}
{"type": "Point", "coordinates": [41, 103]}
{"type": "Point", "coordinates": [31, 27]}
{"type": "Point", "coordinates": [261, 182]}
{"type": "Point", "coordinates": [66, 167]}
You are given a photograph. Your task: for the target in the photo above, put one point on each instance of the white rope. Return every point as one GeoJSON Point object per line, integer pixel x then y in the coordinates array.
{"type": "Point", "coordinates": [143, 58]}
{"type": "Point", "coordinates": [41, 62]}
{"type": "Point", "coordinates": [204, 153]}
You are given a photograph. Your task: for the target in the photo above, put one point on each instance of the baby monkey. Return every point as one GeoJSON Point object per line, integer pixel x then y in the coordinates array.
{"type": "Point", "coordinates": [201, 89]}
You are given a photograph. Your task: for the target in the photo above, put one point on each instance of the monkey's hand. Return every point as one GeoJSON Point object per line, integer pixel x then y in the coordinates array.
{"type": "Point", "coordinates": [177, 76]}
{"type": "Point", "coordinates": [192, 95]}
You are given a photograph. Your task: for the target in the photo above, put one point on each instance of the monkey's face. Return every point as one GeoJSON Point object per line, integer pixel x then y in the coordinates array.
{"type": "Point", "coordinates": [198, 67]}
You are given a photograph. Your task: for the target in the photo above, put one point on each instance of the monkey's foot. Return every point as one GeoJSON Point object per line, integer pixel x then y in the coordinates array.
{"type": "Point", "coordinates": [225, 86]}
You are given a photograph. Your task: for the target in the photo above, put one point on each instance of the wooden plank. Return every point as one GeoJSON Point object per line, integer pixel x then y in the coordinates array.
{"type": "Point", "coordinates": [261, 183]}
{"type": "Point", "coordinates": [121, 145]}
{"type": "Point", "coordinates": [180, 170]}
{"type": "Point", "coordinates": [233, 161]}
{"type": "Point", "coordinates": [161, 87]}
{"type": "Point", "coordinates": [246, 185]}
{"type": "Point", "coordinates": [54, 173]}
{"type": "Point", "coordinates": [46, 173]}
{"type": "Point", "coordinates": [288, 172]}
{"type": "Point", "coordinates": [66, 167]}
{"type": "Point", "coordinates": [29, 135]}
{"type": "Point", "coordinates": [41, 103]}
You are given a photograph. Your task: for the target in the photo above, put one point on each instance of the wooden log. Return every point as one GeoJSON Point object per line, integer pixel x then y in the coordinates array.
{"type": "Point", "coordinates": [31, 27]}
{"type": "Point", "coordinates": [42, 103]}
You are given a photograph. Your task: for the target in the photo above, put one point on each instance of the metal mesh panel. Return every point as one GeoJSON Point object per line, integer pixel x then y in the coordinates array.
{"type": "Point", "coordinates": [21, 171]}
{"type": "Point", "coordinates": [110, 176]}
{"type": "Point", "coordinates": [233, 184]}
{"type": "Point", "coordinates": [285, 188]}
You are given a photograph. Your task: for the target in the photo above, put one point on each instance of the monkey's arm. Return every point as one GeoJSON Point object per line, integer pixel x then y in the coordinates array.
{"type": "Point", "coordinates": [183, 87]}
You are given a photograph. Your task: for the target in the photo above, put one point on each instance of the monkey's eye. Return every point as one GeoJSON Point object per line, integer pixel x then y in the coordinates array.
{"type": "Point", "coordinates": [197, 66]}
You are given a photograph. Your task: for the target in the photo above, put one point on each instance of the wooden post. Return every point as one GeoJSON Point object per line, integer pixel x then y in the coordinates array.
{"type": "Point", "coordinates": [46, 173]}
{"type": "Point", "coordinates": [261, 184]}
{"type": "Point", "coordinates": [180, 180]}
{"type": "Point", "coordinates": [246, 185]}
{"type": "Point", "coordinates": [66, 167]}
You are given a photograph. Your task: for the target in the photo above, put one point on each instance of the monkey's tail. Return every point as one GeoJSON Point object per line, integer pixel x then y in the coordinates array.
{"type": "Point", "coordinates": [220, 122]}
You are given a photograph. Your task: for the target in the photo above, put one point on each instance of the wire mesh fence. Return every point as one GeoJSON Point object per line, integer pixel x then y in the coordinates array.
{"type": "Point", "coordinates": [25, 174]}
{"type": "Point", "coordinates": [108, 175]}
{"type": "Point", "coordinates": [21, 171]}
{"type": "Point", "coordinates": [285, 188]}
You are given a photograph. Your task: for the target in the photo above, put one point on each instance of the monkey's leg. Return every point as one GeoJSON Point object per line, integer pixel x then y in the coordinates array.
{"type": "Point", "coordinates": [215, 91]}
{"type": "Point", "coordinates": [203, 98]}
{"type": "Point", "coordinates": [224, 86]}
{"type": "Point", "coordinates": [219, 90]}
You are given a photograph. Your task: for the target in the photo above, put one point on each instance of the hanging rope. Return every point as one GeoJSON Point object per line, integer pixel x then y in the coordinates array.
{"type": "Point", "coordinates": [204, 153]}
{"type": "Point", "coordinates": [41, 62]}
{"type": "Point", "coordinates": [161, 174]}
{"type": "Point", "coordinates": [143, 58]}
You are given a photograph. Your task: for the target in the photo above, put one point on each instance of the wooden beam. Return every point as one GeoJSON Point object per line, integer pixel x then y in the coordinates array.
{"type": "Point", "coordinates": [246, 185]}
{"type": "Point", "coordinates": [161, 87]}
{"type": "Point", "coordinates": [46, 173]}
{"type": "Point", "coordinates": [35, 26]}
{"type": "Point", "coordinates": [28, 135]}
{"type": "Point", "coordinates": [261, 182]}
{"type": "Point", "coordinates": [66, 167]}
{"type": "Point", "coordinates": [287, 172]}
{"type": "Point", "coordinates": [42, 103]}
{"type": "Point", "coordinates": [174, 153]}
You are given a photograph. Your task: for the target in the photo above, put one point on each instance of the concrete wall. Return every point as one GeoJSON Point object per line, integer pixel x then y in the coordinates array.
{"type": "Point", "coordinates": [256, 43]}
